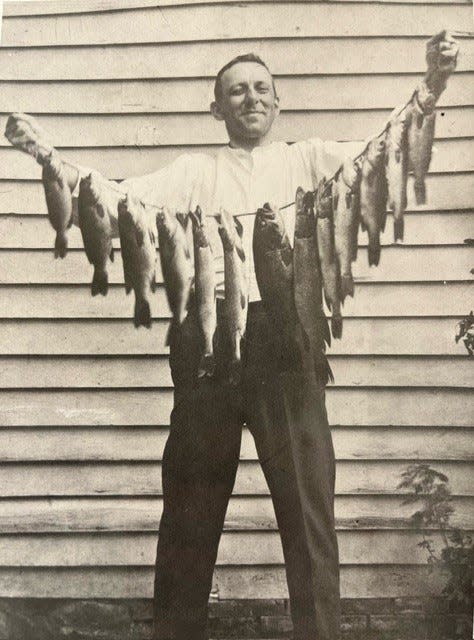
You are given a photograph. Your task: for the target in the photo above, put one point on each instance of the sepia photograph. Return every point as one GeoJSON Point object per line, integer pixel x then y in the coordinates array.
{"type": "Point", "coordinates": [236, 319]}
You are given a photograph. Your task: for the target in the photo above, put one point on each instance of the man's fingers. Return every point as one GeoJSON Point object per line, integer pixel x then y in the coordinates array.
{"type": "Point", "coordinates": [438, 37]}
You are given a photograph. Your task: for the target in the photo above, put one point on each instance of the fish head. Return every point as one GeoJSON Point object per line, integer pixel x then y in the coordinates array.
{"type": "Point", "coordinates": [166, 222]}
{"type": "Point", "coordinates": [324, 199]}
{"type": "Point", "coordinates": [198, 221]}
{"type": "Point", "coordinates": [89, 189]}
{"type": "Point", "coordinates": [304, 218]}
{"type": "Point", "coordinates": [375, 151]}
{"type": "Point", "coordinates": [269, 227]}
{"type": "Point", "coordinates": [349, 173]}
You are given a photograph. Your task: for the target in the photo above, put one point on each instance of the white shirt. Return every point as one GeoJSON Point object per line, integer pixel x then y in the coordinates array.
{"type": "Point", "coordinates": [241, 181]}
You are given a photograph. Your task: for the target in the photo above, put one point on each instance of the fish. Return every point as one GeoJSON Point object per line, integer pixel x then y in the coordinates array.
{"type": "Point", "coordinates": [58, 201]}
{"type": "Point", "coordinates": [327, 254]}
{"type": "Point", "coordinates": [346, 223]}
{"type": "Point", "coordinates": [96, 229]}
{"type": "Point", "coordinates": [396, 166]}
{"type": "Point", "coordinates": [308, 286]}
{"type": "Point", "coordinates": [205, 291]}
{"type": "Point", "coordinates": [176, 264]}
{"type": "Point", "coordinates": [138, 246]}
{"type": "Point", "coordinates": [273, 259]}
{"type": "Point", "coordinates": [236, 288]}
{"type": "Point", "coordinates": [373, 196]}
{"type": "Point", "coordinates": [421, 131]}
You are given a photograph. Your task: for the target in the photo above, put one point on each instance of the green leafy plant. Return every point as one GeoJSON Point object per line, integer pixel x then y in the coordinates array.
{"type": "Point", "coordinates": [431, 490]}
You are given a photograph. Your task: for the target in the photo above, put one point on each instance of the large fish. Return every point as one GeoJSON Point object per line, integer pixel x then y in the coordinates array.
{"type": "Point", "coordinates": [96, 230]}
{"type": "Point", "coordinates": [58, 201]}
{"type": "Point", "coordinates": [396, 160]}
{"type": "Point", "coordinates": [205, 291]}
{"type": "Point", "coordinates": [327, 254]}
{"type": "Point", "coordinates": [236, 288]}
{"type": "Point", "coordinates": [176, 264]}
{"type": "Point", "coordinates": [421, 130]}
{"type": "Point", "coordinates": [373, 196]}
{"type": "Point", "coordinates": [346, 223]}
{"type": "Point", "coordinates": [273, 257]}
{"type": "Point", "coordinates": [308, 285]}
{"type": "Point", "coordinates": [138, 246]}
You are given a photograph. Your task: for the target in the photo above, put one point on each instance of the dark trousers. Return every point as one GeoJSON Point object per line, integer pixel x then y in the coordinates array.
{"type": "Point", "coordinates": [285, 412]}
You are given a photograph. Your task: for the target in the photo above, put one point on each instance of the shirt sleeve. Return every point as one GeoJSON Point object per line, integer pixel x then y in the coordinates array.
{"type": "Point", "coordinates": [172, 186]}
{"type": "Point", "coordinates": [324, 157]}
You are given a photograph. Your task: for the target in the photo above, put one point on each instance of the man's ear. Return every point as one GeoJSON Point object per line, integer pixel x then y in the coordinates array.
{"type": "Point", "coordinates": [216, 112]}
{"type": "Point", "coordinates": [277, 104]}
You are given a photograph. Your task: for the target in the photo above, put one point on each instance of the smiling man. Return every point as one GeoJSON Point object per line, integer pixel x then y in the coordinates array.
{"type": "Point", "coordinates": [284, 407]}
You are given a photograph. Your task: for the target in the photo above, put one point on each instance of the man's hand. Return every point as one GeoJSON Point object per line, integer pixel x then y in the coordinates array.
{"type": "Point", "coordinates": [441, 57]}
{"type": "Point", "coordinates": [24, 133]}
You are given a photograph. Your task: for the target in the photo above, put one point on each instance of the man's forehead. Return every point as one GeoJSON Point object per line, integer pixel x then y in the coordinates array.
{"type": "Point", "coordinates": [245, 72]}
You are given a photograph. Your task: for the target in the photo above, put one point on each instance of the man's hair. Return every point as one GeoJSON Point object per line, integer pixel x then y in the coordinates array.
{"type": "Point", "coordinates": [246, 57]}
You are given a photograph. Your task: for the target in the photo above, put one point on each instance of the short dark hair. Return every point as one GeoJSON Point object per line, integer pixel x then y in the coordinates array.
{"type": "Point", "coordinates": [246, 57]}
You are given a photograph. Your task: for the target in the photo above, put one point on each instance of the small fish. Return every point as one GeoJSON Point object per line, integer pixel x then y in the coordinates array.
{"type": "Point", "coordinates": [205, 291]}
{"type": "Point", "coordinates": [273, 257]}
{"type": "Point", "coordinates": [58, 201]}
{"type": "Point", "coordinates": [327, 255]}
{"type": "Point", "coordinates": [236, 287]}
{"type": "Point", "coordinates": [96, 230]}
{"type": "Point", "coordinates": [373, 196]}
{"type": "Point", "coordinates": [346, 223]}
{"type": "Point", "coordinates": [176, 264]}
{"type": "Point", "coordinates": [421, 130]}
{"type": "Point", "coordinates": [396, 161]}
{"type": "Point", "coordinates": [138, 245]}
{"type": "Point", "coordinates": [308, 285]}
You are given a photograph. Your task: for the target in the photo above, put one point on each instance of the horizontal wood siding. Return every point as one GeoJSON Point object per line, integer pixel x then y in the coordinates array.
{"type": "Point", "coordinates": [124, 87]}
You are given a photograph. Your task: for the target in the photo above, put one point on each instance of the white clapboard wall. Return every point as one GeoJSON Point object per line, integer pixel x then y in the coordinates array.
{"type": "Point", "coordinates": [123, 86]}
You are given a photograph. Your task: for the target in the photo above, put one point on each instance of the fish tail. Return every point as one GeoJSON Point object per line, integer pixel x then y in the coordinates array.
{"type": "Point", "coordinates": [374, 251]}
{"type": "Point", "coordinates": [398, 228]}
{"type": "Point", "coordinates": [420, 192]}
{"type": "Point", "coordinates": [100, 282]}
{"type": "Point", "coordinates": [347, 286]}
{"type": "Point", "coordinates": [60, 245]}
{"type": "Point", "coordinates": [336, 326]}
{"type": "Point", "coordinates": [207, 366]}
{"type": "Point", "coordinates": [142, 317]}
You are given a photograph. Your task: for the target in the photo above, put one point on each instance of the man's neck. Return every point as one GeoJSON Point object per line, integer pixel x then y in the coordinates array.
{"type": "Point", "coordinates": [249, 145]}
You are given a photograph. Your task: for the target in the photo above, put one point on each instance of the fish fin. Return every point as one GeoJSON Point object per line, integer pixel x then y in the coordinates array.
{"type": "Point", "coordinates": [183, 219]}
{"type": "Point", "coordinates": [69, 224]}
{"type": "Point", "coordinates": [398, 229]}
{"type": "Point", "coordinates": [347, 286]}
{"type": "Point", "coordinates": [336, 326]}
{"type": "Point", "coordinates": [142, 317]}
{"type": "Point", "coordinates": [239, 227]}
{"type": "Point", "coordinates": [328, 302]}
{"type": "Point", "coordinates": [207, 366]}
{"type": "Point", "coordinates": [240, 252]}
{"type": "Point", "coordinates": [194, 219]}
{"type": "Point", "coordinates": [325, 330]}
{"type": "Point", "coordinates": [420, 192]}
{"type": "Point", "coordinates": [383, 221]}
{"type": "Point", "coordinates": [128, 288]}
{"type": "Point", "coordinates": [243, 300]}
{"type": "Point", "coordinates": [374, 251]}
{"type": "Point", "coordinates": [100, 282]}
{"type": "Point", "coordinates": [112, 255]}
{"type": "Point", "coordinates": [322, 369]}
{"type": "Point", "coordinates": [60, 245]}
{"type": "Point", "coordinates": [153, 283]}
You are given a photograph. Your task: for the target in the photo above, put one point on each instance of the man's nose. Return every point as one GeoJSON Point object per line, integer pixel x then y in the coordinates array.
{"type": "Point", "coordinates": [251, 96]}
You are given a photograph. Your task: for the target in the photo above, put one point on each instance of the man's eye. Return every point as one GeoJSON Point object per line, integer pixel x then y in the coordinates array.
{"type": "Point", "coordinates": [263, 89]}
{"type": "Point", "coordinates": [237, 91]}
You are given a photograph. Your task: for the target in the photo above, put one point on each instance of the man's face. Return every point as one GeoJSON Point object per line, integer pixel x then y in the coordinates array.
{"type": "Point", "coordinates": [248, 103]}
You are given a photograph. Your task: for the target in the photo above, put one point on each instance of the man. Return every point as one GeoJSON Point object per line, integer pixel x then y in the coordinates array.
{"type": "Point", "coordinates": [283, 407]}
